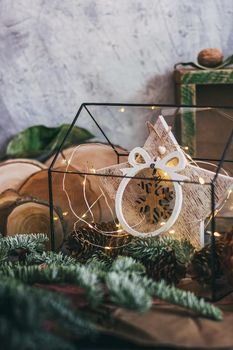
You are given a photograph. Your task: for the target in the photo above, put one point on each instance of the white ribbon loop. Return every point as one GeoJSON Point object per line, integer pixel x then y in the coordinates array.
{"type": "Point", "coordinates": [158, 163]}
{"type": "Point", "coordinates": [138, 151]}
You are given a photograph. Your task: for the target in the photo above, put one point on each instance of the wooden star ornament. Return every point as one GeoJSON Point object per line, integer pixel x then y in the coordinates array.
{"type": "Point", "coordinates": [159, 191]}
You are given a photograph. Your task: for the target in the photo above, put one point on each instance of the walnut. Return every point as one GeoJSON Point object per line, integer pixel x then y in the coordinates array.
{"type": "Point", "coordinates": [210, 57]}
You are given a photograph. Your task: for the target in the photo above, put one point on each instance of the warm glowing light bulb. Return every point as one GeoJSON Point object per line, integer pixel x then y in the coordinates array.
{"type": "Point", "coordinates": [122, 110]}
{"type": "Point", "coordinates": [162, 223]}
{"type": "Point", "coordinates": [107, 248]}
{"type": "Point", "coordinates": [201, 180]}
{"type": "Point", "coordinates": [65, 213]}
{"type": "Point", "coordinates": [84, 215]}
{"type": "Point", "coordinates": [120, 230]}
{"type": "Point", "coordinates": [186, 148]}
{"type": "Point", "coordinates": [217, 234]}
{"type": "Point", "coordinates": [55, 218]}
{"type": "Point", "coordinates": [153, 107]}
{"type": "Point", "coordinates": [172, 231]}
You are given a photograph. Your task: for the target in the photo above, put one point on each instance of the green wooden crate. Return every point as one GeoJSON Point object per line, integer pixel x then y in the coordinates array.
{"type": "Point", "coordinates": [187, 83]}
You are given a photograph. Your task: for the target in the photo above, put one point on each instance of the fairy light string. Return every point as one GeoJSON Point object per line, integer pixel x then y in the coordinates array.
{"type": "Point", "coordinates": [118, 233]}
{"type": "Point", "coordinates": [114, 234]}
{"type": "Point", "coordinates": [200, 179]}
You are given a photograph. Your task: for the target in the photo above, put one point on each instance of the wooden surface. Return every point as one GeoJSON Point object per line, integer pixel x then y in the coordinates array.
{"type": "Point", "coordinates": [15, 171]}
{"type": "Point", "coordinates": [163, 327]}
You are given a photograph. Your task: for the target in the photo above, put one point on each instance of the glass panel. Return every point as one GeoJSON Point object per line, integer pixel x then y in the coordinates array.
{"type": "Point", "coordinates": [102, 205]}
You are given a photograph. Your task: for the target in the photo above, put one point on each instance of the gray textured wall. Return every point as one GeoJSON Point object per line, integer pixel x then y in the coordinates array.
{"type": "Point", "coordinates": [56, 54]}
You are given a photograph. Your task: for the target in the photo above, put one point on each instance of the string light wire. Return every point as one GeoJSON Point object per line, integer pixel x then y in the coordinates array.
{"type": "Point", "coordinates": [113, 233]}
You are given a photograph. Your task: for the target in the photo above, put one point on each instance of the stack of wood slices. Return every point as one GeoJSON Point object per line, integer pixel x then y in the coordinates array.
{"type": "Point", "coordinates": [24, 194]}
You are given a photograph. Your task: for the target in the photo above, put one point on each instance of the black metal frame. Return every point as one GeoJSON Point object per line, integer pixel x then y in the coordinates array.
{"type": "Point", "coordinates": [211, 184]}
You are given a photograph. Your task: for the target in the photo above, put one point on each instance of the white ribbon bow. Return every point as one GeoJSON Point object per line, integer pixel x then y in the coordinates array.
{"type": "Point", "coordinates": [157, 164]}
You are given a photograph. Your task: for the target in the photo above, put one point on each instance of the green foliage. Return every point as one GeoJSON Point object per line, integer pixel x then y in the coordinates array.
{"type": "Point", "coordinates": [184, 250]}
{"type": "Point", "coordinates": [125, 279]}
{"type": "Point", "coordinates": [39, 139]}
{"type": "Point", "coordinates": [151, 248]}
{"type": "Point", "coordinates": [3, 251]}
{"type": "Point", "coordinates": [134, 291]}
{"type": "Point", "coordinates": [61, 310]}
{"type": "Point", "coordinates": [33, 243]}
{"type": "Point", "coordinates": [49, 258]}
{"type": "Point", "coordinates": [185, 299]}
{"type": "Point", "coordinates": [100, 261]}
{"type": "Point", "coordinates": [125, 291]}
{"type": "Point", "coordinates": [122, 281]}
{"type": "Point", "coordinates": [130, 288]}
{"type": "Point", "coordinates": [24, 313]}
{"type": "Point", "coordinates": [57, 274]}
{"type": "Point", "coordinates": [127, 264]}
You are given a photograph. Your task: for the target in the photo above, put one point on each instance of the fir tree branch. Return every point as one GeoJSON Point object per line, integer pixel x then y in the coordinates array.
{"type": "Point", "coordinates": [49, 341]}
{"type": "Point", "coordinates": [123, 291]}
{"type": "Point", "coordinates": [3, 252]}
{"type": "Point", "coordinates": [148, 248]}
{"type": "Point", "coordinates": [100, 259]}
{"type": "Point", "coordinates": [49, 258]}
{"type": "Point", "coordinates": [61, 310]}
{"type": "Point", "coordinates": [152, 248]}
{"type": "Point", "coordinates": [125, 280]}
{"type": "Point", "coordinates": [75, 274]}
{"type": "Point", "coordinates": [127, 264]}
{"type": "Point", "coordinates": [129, 288]}
{"type": "Point", "coordinates": [185, 299]}
{"type": "Point", "coordinates": [33, 242]}
{"type": "Point", "coordinates": [23, 311]}
{"type": "Point", "coordinates": [184, 250]}
{"type": "Point", "coordinates": [125, 275]}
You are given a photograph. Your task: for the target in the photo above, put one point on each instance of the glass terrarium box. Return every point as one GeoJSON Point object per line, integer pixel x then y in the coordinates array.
{"type": "Point", "coordinates": [150, 175]}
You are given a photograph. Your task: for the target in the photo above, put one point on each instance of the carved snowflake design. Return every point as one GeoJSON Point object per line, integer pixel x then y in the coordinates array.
{"type": "Point", "coordinates": [155, 200]}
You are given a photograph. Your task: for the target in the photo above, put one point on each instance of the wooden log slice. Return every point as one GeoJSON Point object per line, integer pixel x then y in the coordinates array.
{"type": "Point", "coordinates": [70, 199]}
{"type": "Point", "coordinates": [7, 198]}
{"type": "Point", "coordinates": [14, 172]}
{"type": "Point", "coordinates": [7, 201]}
{"type": "Point", "coordinates": [89, 156]}
{"type": "Point", "coordinates": [32, 216]}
